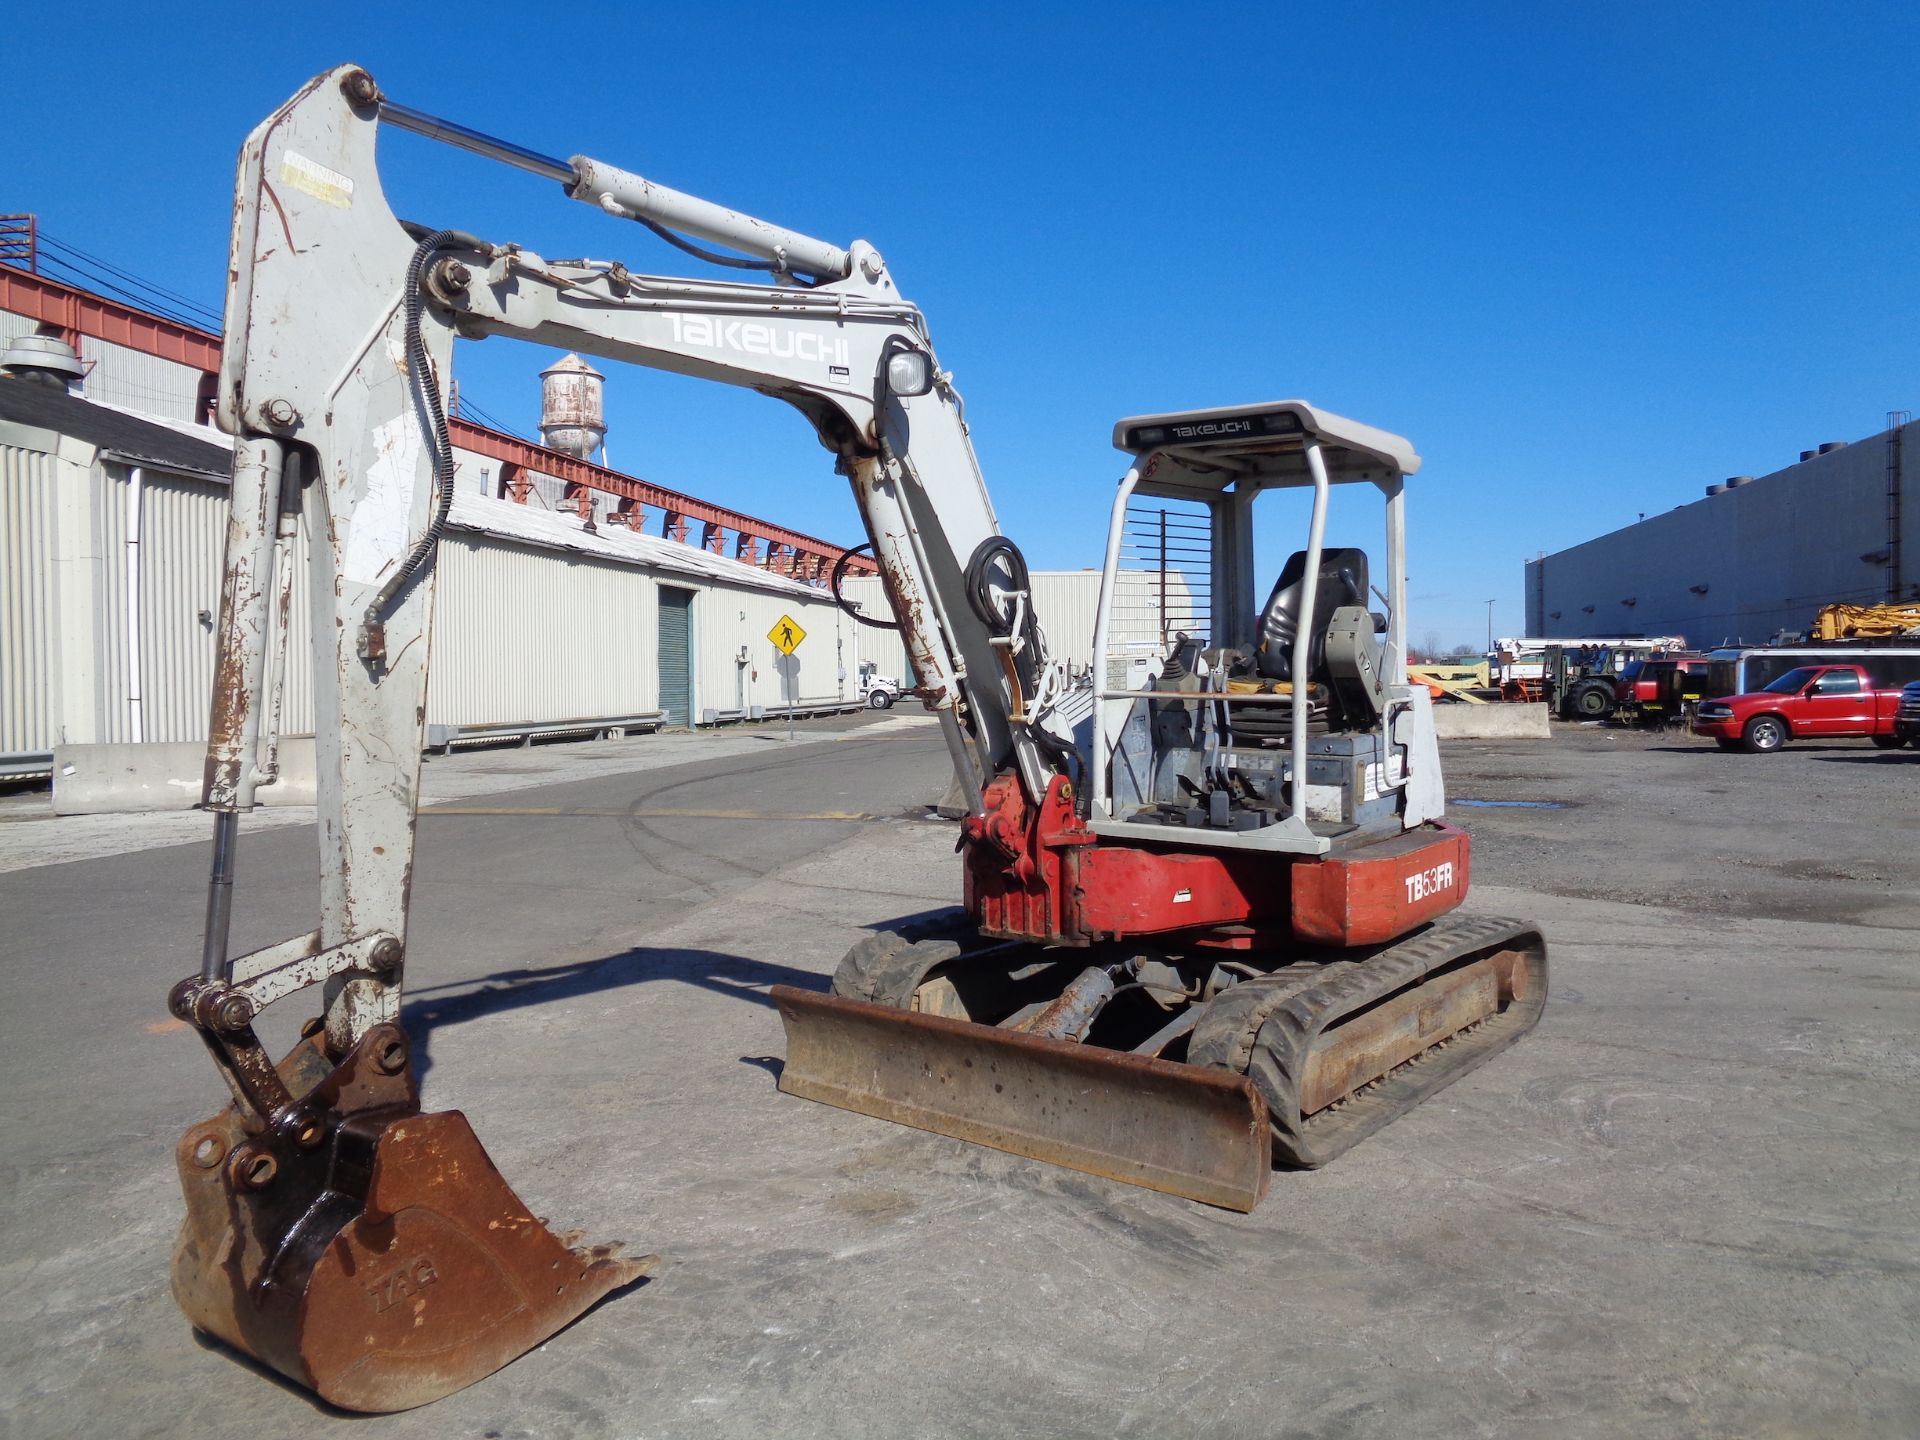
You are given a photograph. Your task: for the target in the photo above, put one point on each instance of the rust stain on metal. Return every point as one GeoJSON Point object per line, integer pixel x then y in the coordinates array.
{"type": "Point", "coordinates": [286, 228]}
{"type": "Point", "coordinates": [1361, 1050]}
{"type": "Point", "coordinates": [366, 1250]}
{"type": "Point", "coordinates": [1186, 1130]}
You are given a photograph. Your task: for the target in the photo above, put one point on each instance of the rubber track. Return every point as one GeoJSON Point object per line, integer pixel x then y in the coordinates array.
{"type": "Point", "coordinates": [1224, 1034]}
{"type": "Point", "coordinates": [888, 965]}
{"type": "Point", "coordinates": [1270, 1031]}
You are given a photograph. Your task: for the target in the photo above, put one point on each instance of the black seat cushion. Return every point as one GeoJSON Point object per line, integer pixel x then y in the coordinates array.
{"type": "Point", "coordinates": [1342, 582]}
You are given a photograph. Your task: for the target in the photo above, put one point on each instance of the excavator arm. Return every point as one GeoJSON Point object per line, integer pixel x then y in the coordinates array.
{"type": "Point", "coordinates": [340, 322]}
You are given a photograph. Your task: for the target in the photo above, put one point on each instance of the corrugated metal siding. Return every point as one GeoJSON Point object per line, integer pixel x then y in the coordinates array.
{"type": "Point", "coordinates": [1065, 601]}
{"type": "Point", "coordinates": [28, 622]}
{"type": "Point", "coordinates": [183, 531]}
{"type": "Point", "coordinates": [521, 634]}
{"type": "Point", "coordinates": [119, 376]}
{"type": "Point", "coordinates": [180, 573]}
{"type": "Point", "coordinates": [729, 618]}
{"type": "Point", "coordinates": [111, 718]}
{"type": "Point", "coordinates": [477, 474]}
{"type": "Point", "coordinates": [138, 381]}
{"type": "Point", "coordinates": [1740, 565]}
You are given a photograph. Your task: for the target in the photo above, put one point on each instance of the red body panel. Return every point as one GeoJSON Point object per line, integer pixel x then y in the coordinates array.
{"type": "Point", "coordinates": [1038, 873]}
{"type": "Point", "coordinates": [1383, 890]}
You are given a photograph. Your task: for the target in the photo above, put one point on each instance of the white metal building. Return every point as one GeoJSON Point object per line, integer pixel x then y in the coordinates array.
{"type": "Point", "coordinates": [122, 375]}
{"type": "Point", "coordinates": [111, 529]}
{"type": "Point", "coordinates": [1149, 609]}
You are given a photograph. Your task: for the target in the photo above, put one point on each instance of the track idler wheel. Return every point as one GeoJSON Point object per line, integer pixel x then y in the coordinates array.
{"type": "Point", "coordinates": [368, 1251]}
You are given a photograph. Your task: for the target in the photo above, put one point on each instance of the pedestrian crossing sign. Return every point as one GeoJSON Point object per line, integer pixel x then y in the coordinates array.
{"type": "Point", "coordinates": [786, 635]}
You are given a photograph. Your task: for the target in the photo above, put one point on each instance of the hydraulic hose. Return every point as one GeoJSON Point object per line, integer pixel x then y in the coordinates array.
{"type": "Point", "coordinates": [980, 596]}
{"type": "Point", "coordinates": [420, 376]}
{"type": "Point", "coordinates": [854, 611]}
{"type": "Point", "coordinates": [1028, 663]}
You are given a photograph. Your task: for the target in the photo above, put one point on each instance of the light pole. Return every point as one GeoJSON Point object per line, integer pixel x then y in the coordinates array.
{"type": "Point", "coordinates": [1489, 627]}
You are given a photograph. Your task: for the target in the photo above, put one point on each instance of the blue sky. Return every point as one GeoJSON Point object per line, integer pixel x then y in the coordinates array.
{"type": "Point", "coordinates": [1589, 258]}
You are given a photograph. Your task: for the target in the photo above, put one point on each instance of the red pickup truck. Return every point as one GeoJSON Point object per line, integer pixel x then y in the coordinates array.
{"type": "Point", "coordinates": [1814, 701]}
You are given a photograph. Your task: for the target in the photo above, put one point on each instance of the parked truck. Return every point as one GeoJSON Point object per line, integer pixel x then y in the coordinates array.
{"type": "Point", "coordinates": [1658, 690]}
{"type": "Point", "coordinates": [1809, 702]}
{"type": "Point", "coordinates": [1906, 719]}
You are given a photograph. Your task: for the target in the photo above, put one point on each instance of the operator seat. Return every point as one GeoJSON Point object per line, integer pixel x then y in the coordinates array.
{"type": "Point", "coordinates": [1343, 582]}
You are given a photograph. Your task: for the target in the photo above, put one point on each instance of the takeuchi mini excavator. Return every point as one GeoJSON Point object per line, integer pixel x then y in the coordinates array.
{"type": "Point", "coordinates": [1209, 896]}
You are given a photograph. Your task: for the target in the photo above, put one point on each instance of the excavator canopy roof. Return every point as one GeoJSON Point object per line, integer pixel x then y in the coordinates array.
{"type": "Point", "coordinates": [1211, 449]}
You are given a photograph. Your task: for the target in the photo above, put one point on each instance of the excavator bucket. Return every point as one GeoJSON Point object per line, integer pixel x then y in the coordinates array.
{"type": "Point", "coordinates": [366, 1250]}
{"type": "Point", "coordinates": [1182, 1129]}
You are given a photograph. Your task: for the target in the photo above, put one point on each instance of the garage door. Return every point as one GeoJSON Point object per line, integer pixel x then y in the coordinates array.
{"type": "Point", "coordinates": [676, 655]}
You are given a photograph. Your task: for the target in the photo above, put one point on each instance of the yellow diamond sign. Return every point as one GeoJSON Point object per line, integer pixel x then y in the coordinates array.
{"type": "Point", "coordinates": [786, 635]}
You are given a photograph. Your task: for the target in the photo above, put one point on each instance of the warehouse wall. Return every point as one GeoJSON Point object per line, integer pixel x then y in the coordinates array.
{"type": "Point", "coordinates": [1067, 602]}
{"type": "Point", "coordinates": [183, 522]}
{"type": "Point", "coordinates": [1767, 555]}
{"type": "Point", "coordinates": [136, 380]}
{"type": "Point", "coordinates": [29, 599]}
{"type": "Point", "coordinates": [521, 635]}
{"type": "Point", "coordinates": [522, 632]}
{"type": "Point", "coordinates": [63, 603]}
{"type": "Point", "coordinates": [727, 618]}
{"type": "Point", "coordinates": [131, 379]}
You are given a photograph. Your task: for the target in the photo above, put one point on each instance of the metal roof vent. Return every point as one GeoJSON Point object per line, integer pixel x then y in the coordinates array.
{"type": "Point", "coordinates": [1832, 445]}
{"type": "Point", "coordinates": [1713, 490]}
{"type": "Point", "coordinates": [1734, 482]}
{"type": "Point", "coordinates": [573, 411]}
{"type": "Point", "coordinates": [1806, 455]}
{"type": "Point", "coordinates": [43, 359]}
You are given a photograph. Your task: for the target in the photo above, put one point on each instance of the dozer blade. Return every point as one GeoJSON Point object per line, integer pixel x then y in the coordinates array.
{"type": "Point", "coordinates": [368, 1251]}
{"type": "Point", "coordinates": [1182, 1129]}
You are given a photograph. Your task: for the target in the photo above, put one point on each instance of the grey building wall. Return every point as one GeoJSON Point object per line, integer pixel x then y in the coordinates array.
{"type": "Point", "coordinates": [1743, 565]}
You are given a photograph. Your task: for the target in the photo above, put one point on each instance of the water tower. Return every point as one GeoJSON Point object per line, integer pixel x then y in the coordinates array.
{"type": "Point", "coordinates": [573, 411]}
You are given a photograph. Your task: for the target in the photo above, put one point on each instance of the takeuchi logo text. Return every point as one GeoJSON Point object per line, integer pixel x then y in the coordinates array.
{"type": "Point", "coordinates": [751, 337]}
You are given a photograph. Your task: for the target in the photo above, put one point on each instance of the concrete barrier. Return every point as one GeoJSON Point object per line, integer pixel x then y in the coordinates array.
{"type": "Point", "coordinates": [133, 779]}
{"type": "Point", "coordinates": [1490, 722]}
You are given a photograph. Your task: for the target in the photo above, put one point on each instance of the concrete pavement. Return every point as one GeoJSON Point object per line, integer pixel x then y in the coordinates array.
{"type": "Point", "coordinates": [1684, 1206]}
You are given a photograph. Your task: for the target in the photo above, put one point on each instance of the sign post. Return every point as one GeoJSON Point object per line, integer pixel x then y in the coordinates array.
{"type": "Point", "coordinates": [786, 636]}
